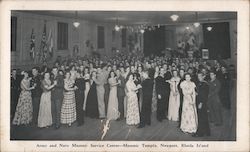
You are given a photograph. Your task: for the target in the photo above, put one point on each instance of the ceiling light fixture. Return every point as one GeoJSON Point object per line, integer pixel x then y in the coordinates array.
{"type": "Point", "coordinates": [117, 28]}
{"type": "Point", "coordinates": [76, 23]}
{"type": "Point", "coordinates": [196, 24]}
{"type": "Point", "coordinates": [209, 28]}
{"type": "Point", "coordinates": [174, 17]}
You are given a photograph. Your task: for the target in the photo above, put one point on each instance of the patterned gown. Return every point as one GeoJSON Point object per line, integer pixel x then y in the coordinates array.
{"type": "Point", "coordinates": [24, 109]}
{"type": "Point", "coordinates": [133, 116]}
{"type": "Point", "coordinates": [68, 111]}
{"type": "Point", "coordinates": [189, 120]}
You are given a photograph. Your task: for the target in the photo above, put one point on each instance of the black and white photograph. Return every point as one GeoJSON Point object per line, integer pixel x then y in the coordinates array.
{"type": "Point", "coordinates": [123, 75]}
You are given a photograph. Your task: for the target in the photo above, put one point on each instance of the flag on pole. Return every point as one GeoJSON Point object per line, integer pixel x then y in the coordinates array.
{"type": "Point", "coordinates": [50, 44]}
{"type": "Point", "coordinates": [32, 45]}
{"type": "Point", "coordinates": [43, 47]}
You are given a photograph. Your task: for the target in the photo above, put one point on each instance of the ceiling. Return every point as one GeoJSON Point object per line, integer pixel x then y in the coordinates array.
{"type": "Point", "coordinates": [141, 17]}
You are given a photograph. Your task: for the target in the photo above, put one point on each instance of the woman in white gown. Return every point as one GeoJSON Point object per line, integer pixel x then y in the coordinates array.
{"type": "Point", "coordinates": [174, 98]}
{"type": "Point", "coordinates": [133, 116]}
{"type": "Point", "coordinates": [113, 112]}
{"type": "Point", "coordinates": [189, 119]}
{"type": "Point", "coordinates": [45, 115]}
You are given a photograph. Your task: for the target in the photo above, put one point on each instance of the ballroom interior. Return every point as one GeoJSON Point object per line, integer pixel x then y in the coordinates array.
{"type": "Point", "coordinates": [79, 34]}
{"type": "Point", "coordinates": [107, 33]}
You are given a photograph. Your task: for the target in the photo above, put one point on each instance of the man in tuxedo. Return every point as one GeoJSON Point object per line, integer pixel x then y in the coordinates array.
{"type": "Point", "coordinates": [120, 93]}
{"type": "Point", "coordinates": [36, 93]}
{"type": "Point", "coordinates": [161, 88]}
{"type": "Point", "coordinates": [147, 94]}
{"type": "Point", "coordinates": [56, 97]}
{"type": "Point", "coordinates": [201, 103]}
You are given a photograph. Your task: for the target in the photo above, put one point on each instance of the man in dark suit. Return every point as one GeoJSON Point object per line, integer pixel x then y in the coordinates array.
{"type": "Point", "coordinates": [214, 103]}
{"type": "Point", "coordinates": [15, 91]}
{"type": "Point", "coordinates": [182, 76]}
{"type": "Point", "coordinates": [201, 103]}
{"type": "Point", "coordinates": [161, 88]}
{"type": "Point", "coordinates": [120, 93]}
{"type": "Point", "coordinates": [36, 93]}
{"type": "Point", "coordinates": [147, 94]}
{"type": "Point", "coordinates": [56, 97]}
{"type": "Point", "coordinates": [167, 76]}
{"type": "Point", "coordinates": [79, 94]}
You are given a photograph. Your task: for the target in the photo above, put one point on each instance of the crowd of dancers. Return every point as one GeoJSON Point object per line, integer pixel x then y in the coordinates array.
{"type": "Point", "coordinates": [189, 91]}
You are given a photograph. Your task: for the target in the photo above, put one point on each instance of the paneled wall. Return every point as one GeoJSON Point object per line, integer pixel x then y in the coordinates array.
{"type": "Point", "coordinates": [87, 31]}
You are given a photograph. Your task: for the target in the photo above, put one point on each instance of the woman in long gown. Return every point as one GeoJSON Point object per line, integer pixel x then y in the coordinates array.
{"type": "Point", "coordinates": [24, 109]}
{"type": "Point", "coordinates": [44, 115]}
{"type": "Point", "coordinates": [113, 112]}
{"type": "Point", "coordinates": [189, 120]}
{"type": "Point", "coordinates": [174, 98]}
{"type": "Point", "coordinates": [92, 102]}
{"type": "Point", "coordinates": [86, 77]}
{"type": "Point", "coordinates": [68, 111]}
{"type": "Point", "coordinates": [133, 116]}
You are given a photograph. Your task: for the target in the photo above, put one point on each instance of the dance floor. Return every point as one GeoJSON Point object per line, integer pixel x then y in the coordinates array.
{"type": "Point", "coordinates": [158, 131]}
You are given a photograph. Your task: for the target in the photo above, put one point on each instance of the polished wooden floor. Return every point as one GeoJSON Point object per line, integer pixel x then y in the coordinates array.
{"type": "Point", "coordinates": [158, 131]}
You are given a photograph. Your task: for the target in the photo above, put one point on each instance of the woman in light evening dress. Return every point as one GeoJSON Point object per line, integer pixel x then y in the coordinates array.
{"type": "Point", "coordinates": [174, 98]}
{"type": "Point", "coordinates": [133, 116]}
{"type": "Point", "coordinates": [44, 115]}
{"type": "Point", "coordinates": [189, 119]}
{"type": "Point", "coordinates": [113, 112]}
{"type": "Point", "coordinates": [24, 109]}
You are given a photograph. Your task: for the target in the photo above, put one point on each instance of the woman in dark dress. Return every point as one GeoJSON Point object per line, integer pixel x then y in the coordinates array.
{"type": "Point", "coordinates": [92, 103]}
{"type": "Point", "coordinates": [79, 93]}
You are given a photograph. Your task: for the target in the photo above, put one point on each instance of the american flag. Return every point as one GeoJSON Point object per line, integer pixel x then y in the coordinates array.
{"type": "Point", "coordinates": [32, 45]}
{"type": "Point", "coordinates": [43, 48]}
